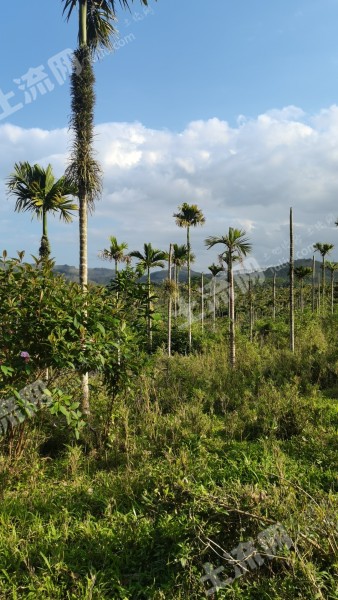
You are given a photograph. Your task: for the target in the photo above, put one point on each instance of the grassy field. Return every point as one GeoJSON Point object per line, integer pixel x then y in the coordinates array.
{"type": "Point", "coordinates": [198, 460]}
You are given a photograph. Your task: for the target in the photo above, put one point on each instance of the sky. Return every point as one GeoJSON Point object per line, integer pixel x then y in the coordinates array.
{"type": "Point", "coordinates": [232, 106]}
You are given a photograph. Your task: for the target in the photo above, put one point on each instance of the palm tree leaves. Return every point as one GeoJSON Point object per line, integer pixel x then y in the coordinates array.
{"type": "Point", "coordinates": [301, 272]}
{"type": "Point", "coordinates": [235, 242]}
{"type": "Point", "coordinates": [100, 15]}
{"type": "Point", "coordinates": [323, 249]}
{"type": "Point", "coordinates": [37, 191]}
{"type": "Point", "coordinates": [215, 269]}
{"type": "Point", "coordinates": [151, 257]}
{"type": "Point", "coordinates": [189, 215]}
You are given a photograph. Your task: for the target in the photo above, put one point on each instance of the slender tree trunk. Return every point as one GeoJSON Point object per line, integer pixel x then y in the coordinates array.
{"type": "Point", "coordinates": [189, 289]}
{"type": "Point", "coordinates": [150, 333]}
{"type": "Point", "coordinates": [301, 295]}
{"type": "Point", "coordinates": [251, 310]}
{"type": "Point", "coordinates": [83, 272]}
{"type": "Point", "coordinates": [292, 311]}
{"type": "Point", "coordinates": [177, 291]}
{"type": "Point", "coordinates": [313, 283]}
{"type": "Point", "coordinates": [274, 296]}
{"type": "Point", "coordinates": [214, 308]}
{"type": "Point", "coordinates": [169, 302]}
{"type": "Point", "coordinates": [319, 295]}
{"type": "Point", "coordinates": [332, 291]}
{"type": "Point", "coordinates": [202, 302]}
{"type": "Point", "coordinates": [232, 315]}
{"type": "Point", "coordinates": [83, 23]}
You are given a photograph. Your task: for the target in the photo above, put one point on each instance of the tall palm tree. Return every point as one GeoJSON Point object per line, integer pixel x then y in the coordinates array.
{"type": "Point", "coordinates": [115, 252]}
{"type": "Point", "coordinates": [323, 249]}
{"type": "Point", "coordinates": [332, 267]}
{"type": "Point", "coordinates": [236, 246]}
{"type": "Point", "coordinates": [301, 273]}
{"type": "Point", "coordinates": [150, 259]}
{"type": "Point", "coordinates": [37, 191]}
{"type": "Point", "coordinates": [189, 215]}
{"type": "Point", "coordinates": [179, 259]}
{"type": "Point", "coordinates": [95, 31]}
{"type": "Point", "coordinates": [214, 270]}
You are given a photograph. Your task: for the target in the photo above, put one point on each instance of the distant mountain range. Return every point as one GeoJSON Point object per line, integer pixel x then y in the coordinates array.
{"type": "Point", "coordinates": [103, 276]}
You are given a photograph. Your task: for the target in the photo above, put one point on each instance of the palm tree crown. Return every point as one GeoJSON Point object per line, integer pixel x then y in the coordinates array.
{"type": "Point", "coordinates": [151, 257]}
{"type": "Point", "coordinates": [189, 215]}
{"type": "Point", "coordinates": [215, 269]}
{"type": "Point", "coordinates": [99, 17]}
{"type": "Point", "coordinates": [323, 249]}
{"type": "Point", "coordinates": [115, 252]}
{"type": "Point", "coordinates": [37, 191]}
{"type": "Point", "coordinates": [235, 242]}
{"type": "Point", "coordinates": [301, 272]}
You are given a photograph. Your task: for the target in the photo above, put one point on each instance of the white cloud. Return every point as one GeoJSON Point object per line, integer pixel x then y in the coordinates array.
{"type": "Point", "coordinates": [247, 176]}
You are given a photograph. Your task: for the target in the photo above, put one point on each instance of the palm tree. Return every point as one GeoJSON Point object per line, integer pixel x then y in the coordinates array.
{"type": "Point", "coordinates": [291, 287]}
{"type": "Point", "coordinates": [150, 259]}
{"type": "Point", "coordinates": [95, 30]}
{"type": "Point", "coordinates": [332, 266]}
{"type": "Point", "coordinates": [323, 249]}
{"type": "Point", "coordinates": [214, 270]}
{"type": "Point", "coordinates": [237, 246]}
{"type": "Point", "coordinates": [189, 215]}
{"type": "Point", "coordinates": [179, 259]}
{"type": "Point", "coordinates": [115, 252]}
{"type": "Point", "coordinates": [37, 191]}
{"type": "Point", "coordinates": [301, 273]}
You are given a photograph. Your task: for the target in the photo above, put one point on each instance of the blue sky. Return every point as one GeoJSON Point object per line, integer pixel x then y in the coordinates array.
{"type": "Point", "coordinates": [230, 105]}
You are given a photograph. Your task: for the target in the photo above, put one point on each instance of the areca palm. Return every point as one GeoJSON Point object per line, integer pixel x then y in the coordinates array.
{"type": "Point", "coordinates": [323, 249]}
{"type": "Point", "coordinates": [236, 246]}
{"type": "Point", "coordinates": [179, 259]}
{"type": "Point", "coordinates": [189, 215]}
{"type": "Point", "coordinates": [95, 30]}
{"type": "Point", "coordinates": [150, 259]}
{"type": "Point", "coordinates": [301, 273]}
{"type": "Point", "coordinates": [37, 191]}
{"type": "Point", "coordinates": [115, 252]}
{"type": "Point", "coordinates": [214, 270]}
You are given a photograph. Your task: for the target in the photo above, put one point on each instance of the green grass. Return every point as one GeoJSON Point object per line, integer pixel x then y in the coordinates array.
{"type": "Point", "coordinates": [198, 460]}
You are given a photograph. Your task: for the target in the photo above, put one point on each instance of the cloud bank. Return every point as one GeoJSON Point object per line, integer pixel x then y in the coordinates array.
{"type": "Point", "coordinates": [246, 176]}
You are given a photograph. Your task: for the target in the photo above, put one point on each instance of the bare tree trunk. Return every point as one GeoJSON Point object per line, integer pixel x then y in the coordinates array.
{"type": "Point", "coordinates": [232, 315]}
{"type": "Point", "coordinates": [189, 288]}
{"type": "Point", "coordinates": [202, 302]}
{"type": "Point", "coordinates": [177, 290]}
{"type": "Point", "coordinates": [292, 308]}
{"type": "Point", "coordinates": [83, 273]}
{"type": "Point", "coordinates": [169, 301]}
{"type": "Point", "coordinates": [332, 291]}
{"type": "Point", "coordinates": [274, 296]}
{"type": "Point", "coordinates": [251, 310]}
{"type": "Point", "coordinates": [149, 323]}
{"type": "Point", "coordinates": [313, 283]}
{"type": "Point", "coordinates": [214, 307]}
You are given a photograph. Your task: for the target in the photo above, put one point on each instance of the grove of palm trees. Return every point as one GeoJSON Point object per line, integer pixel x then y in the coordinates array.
{"type": "Point", "coordinates": [172, 434]}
